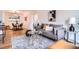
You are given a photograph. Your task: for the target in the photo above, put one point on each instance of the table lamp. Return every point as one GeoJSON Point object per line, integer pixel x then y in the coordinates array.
{"type": "Point", "coordinates": [72, 22]}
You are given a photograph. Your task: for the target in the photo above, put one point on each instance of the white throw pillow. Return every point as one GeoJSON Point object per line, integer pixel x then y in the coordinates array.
{"type": "Point", "coordinates": [49, 28]}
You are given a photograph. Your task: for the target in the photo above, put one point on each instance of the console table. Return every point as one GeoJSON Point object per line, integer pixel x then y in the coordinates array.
{"type": "Point", "coordinates": [71, 36]}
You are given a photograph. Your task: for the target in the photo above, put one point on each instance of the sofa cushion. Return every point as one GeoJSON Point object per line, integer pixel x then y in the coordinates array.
{"type": "Point", "coordinates": [49, 34]}
{"type": "Point", "coordinates": [59, 34]}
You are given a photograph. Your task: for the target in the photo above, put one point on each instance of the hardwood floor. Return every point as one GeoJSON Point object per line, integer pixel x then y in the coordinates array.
{"type": "Point", "coordinates": [9, 35]}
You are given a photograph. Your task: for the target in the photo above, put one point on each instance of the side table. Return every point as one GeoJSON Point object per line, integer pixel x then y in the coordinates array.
{"type": "Point", "coordinates": [69, 35]}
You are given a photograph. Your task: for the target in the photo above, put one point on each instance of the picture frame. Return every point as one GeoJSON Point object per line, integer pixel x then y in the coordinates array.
{"type": "Point", "coordinates": [52, 15]}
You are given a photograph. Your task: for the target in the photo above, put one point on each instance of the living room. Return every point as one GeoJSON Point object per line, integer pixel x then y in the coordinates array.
{"type": "Point", "coordinates": [48, 29]}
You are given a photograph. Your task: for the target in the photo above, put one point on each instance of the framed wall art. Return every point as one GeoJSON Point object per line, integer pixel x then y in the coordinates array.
{"type": "Point", "coordinates": [52, 15]}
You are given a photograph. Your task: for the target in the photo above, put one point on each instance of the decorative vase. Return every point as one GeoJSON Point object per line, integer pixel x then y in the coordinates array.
{"type": "Point", "coordinates": [72, 28]}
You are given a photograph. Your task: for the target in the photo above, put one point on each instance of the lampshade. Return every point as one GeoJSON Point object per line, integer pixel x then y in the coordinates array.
{"type": "Point", "coordinates": [35, 19]}
{"type": "Point", "coordinates": [72, 20]}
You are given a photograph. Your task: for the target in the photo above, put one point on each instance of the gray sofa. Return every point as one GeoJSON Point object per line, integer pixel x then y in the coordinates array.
{"type": "Point", "coordinates": [57, 35]}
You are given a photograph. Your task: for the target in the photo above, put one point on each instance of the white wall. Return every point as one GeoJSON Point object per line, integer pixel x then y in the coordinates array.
{"type": "Point", "coordinates": [61, 15]}
{"type": "Point", "coordinates": [43, 16]}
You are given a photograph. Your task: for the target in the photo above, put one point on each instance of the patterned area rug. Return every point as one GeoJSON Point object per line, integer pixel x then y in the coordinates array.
{"type": "Point", "coordinates": [33, 42]}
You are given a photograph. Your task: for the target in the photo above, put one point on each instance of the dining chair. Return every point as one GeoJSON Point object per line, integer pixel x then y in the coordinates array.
{"type": "Point", "coordinates": [20, 26]}
{"type": "Point", "coordinates": [14, 26]}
